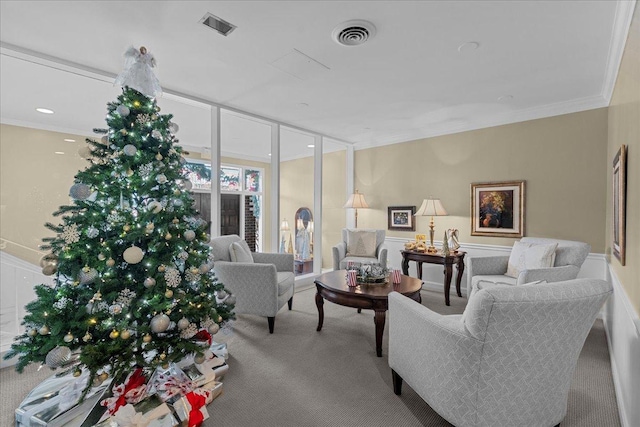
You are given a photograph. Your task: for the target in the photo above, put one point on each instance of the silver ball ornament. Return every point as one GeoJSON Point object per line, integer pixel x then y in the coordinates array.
{"type": "Point", "coordinates": [133, 255]}
{"type": "Point", "coordinates": [130, 150]}
{"type": "Point", "coordinates": [104, 140]}
{"type": "Point", "coordinates": [231, 300]}
{"type": "Point", "coordinates": [160, 323]}
{"type": "Point", "coordinates": [183, 323]}
{"type": "Point", "coordinates": [154, 206]}
{"type": "Point", "coordinates": [123, 110]}
{"type": "Point", "coordinates": [204, 268]}
{"type": "Point", "coordinates": [161, 178]}
{"type": "Point", "coordinates": [58, 357]}
{"type": "Point", "coordinates": [187, 185]}
{"type": "Point", "coordinates": [221, 294]}
{"type": "Point", "coordinates": [199, 358]}
{"type": "Point", "coordinates": [44, 330]}
{"type": "Point", "coordinates": [189, 235]}
{"type": "Point", "coordinates": [86, 277]}
{"type": "Point", "coordinates": [213, 329]}
{"type": "Point", "coordinates": [68, 338]}
{"type": "Point", "coordinates": [80, 191]}
{"type": "Point", "coordinates": [174, 128]}
{"type": "Point", "coordinates": [49, 269]}
{"type": "Point", "coordinates": [149, 282]}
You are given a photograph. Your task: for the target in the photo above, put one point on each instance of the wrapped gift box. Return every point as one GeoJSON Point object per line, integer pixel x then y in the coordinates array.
{"type": "Point", "coordinates": [56, 401]}
{"type": "Point", "coordinates": [151, 412]}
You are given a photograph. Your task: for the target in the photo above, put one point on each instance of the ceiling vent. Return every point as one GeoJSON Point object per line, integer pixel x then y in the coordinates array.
{"type": "Point", "coordinates": [353, 33]}
{"type": "Point", "coordinates": [220, 25]}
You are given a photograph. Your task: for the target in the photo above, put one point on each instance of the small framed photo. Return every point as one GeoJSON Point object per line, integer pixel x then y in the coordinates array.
{"type": "Point", "coordinates": [497, 209]}
{"type": "Point", "coordinates": [619, 203]}
{"type": "Point", "coordinates": [421, 238]}
{"type": "Point", "coordinates": [401, 218]}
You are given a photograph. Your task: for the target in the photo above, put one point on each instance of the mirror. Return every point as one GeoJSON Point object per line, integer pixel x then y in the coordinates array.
{"type": "Point", "coordinates": [304, 234]}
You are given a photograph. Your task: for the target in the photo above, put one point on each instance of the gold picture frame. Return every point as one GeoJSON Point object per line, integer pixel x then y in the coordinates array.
{"type": "Point", "coordinates": [619, 203]}
{"type": "Point", "coordinates": [497, 209]}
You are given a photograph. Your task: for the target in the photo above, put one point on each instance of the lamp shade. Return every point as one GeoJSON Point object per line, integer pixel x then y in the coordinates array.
{"type": "Point", "coordinates": [357, 201]}
{"type": "Point", "coordinates": [284, 225]}
{"type": "Point", "coordinates": [431, 207]}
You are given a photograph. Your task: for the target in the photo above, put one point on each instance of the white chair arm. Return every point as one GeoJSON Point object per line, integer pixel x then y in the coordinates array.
{"type": "Point", "coordinates": [382, 256]}
{"type": "Point", "coordinates": [339, 253]}
{"type": "Point", "coordinates": [489, 265]}
{"type": "Point", "coordinates": [250, 282]}
{"type": "Point", "coordinates": [551, 274]}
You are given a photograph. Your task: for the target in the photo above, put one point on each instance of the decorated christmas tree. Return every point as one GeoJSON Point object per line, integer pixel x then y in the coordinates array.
{"type": "Point", "coordinates": [133, 280]}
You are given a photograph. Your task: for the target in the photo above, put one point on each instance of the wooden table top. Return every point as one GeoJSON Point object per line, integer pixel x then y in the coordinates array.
{"type": "Point", "coordinates": [337, 282]}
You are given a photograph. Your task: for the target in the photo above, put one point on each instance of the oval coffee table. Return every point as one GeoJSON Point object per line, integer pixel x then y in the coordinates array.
{"type": "Point", "coordinates": [333, 287]}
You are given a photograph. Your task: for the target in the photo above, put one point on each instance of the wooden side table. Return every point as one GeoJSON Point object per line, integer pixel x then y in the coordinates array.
{"type": "Point", "coordinates": [447, 260]}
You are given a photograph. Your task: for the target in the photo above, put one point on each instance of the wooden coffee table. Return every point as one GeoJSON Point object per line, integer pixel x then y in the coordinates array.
{"type": "Point", "coordinates": [333, 287]}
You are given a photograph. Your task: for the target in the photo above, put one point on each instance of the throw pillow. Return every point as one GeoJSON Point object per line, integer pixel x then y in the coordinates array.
{"type": "Point", "coordinates": [361, 243]}
{"type": "Point", "coordinates": [240, 252]}
{"type": "Point", "coordinates": [525, 256]}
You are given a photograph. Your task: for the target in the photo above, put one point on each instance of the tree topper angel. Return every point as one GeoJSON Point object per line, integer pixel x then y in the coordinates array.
{"type": "Point", "coordinates": [138, 74]}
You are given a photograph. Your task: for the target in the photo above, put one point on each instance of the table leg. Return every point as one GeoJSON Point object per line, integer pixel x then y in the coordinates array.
{"type": "Point", "coordinates": [447, 282]}
{"type": "Point", "coordinates": [319, 304]}
{"type": "Point", "coordinates": [379, 320]}
{"type": "Point", "coordinates": [419, 265]}
{"type": "Point", "coordinates": [405, 266]}
{"type": "Point", "coordinates": [459, 277]}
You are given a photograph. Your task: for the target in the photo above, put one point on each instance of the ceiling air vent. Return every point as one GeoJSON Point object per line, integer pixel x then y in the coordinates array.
{"type": "Point", "coordinates": [220, 25]}
{"type": "Point", "coordinates": [353, 33]}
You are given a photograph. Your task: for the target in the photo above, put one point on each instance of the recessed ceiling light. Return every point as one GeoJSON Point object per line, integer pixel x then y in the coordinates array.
{"type": "Point", "coordinates": [69, 140]}
{"type": "Point", "coordinates": [269, 154]}
{"type": "Point", "coordinates": [59, 152]}
{"type": "Point", "coordinates": [310, 146]}
{"type": "Point", "coordinates": [505, 98]}
{"type": "Point", "coordinates": [44, 110]}
{"type": "Point", "coordinates": [468, 46]}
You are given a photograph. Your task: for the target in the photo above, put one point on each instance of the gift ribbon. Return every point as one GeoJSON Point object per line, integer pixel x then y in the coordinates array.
{"type": "Point", "coordinates": [197, 401]}
{"type": "Point", "coordinates": [131, 391]}
{"type": "Point", "coordinates": [203, 335]}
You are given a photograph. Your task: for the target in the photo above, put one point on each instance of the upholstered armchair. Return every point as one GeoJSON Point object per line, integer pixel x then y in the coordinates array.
{"type": "Point", "coordinates": [507, 361]}
{"type": "Point", "coordinates": [261, 282]}
{"type": "Point", "coordinates": [566, 261]}
{"type": "Point", "coordinates": [360, 245]}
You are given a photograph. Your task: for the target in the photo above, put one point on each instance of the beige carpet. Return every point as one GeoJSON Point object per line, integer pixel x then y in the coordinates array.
{"type": "Point", "coordinates": [300, 377]}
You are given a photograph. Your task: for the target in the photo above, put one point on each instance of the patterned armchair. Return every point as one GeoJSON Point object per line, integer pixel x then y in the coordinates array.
{"type": "Point", "coordinates": [261, 282]}
{"type": "Point", "coordinates": [507, 361]}
{"type": "Point", "coordinates": [569, 257]}
{"type": "Point", "coordinates": [360, 245]}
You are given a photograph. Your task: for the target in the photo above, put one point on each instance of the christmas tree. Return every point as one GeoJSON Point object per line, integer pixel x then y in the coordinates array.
{"type": "Point", "coordinates": [133, 280]}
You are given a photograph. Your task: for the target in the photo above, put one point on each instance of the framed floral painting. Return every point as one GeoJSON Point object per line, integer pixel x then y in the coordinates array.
{"type": "Point", "coordinates": [401, 218]}
{"type": "Point", "coordinates": [497, 209]}
{"type": "Point", "coordinates": [619, 203]}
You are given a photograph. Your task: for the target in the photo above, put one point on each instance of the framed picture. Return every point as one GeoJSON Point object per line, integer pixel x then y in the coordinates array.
{"type": "Point", "coordinates": [497, 209]}
{"type": "Point", "coordinates": [421, 238]}
{"type": "Point", "coordinates": [619, 203]}
{"type": "Point", "coordinates": [230, 179]}
{"type": "Point", "coordinates": [401, 218]}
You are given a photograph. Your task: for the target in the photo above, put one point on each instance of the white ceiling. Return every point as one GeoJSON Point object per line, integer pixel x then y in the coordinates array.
{"type": "Point", "coordinates": [534, 59]}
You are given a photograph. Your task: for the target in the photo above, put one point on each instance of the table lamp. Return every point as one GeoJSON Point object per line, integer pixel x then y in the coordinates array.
{"type": "Point", "coordinates": [356, 201]}
{"type": "Point", "coordinates": [284, 227]}
{"type": "Point", "coordinates": [431, 207]}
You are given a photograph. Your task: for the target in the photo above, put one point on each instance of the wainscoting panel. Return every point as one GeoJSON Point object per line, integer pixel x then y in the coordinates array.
{"type": "Point", "coordinates": [623, 335]}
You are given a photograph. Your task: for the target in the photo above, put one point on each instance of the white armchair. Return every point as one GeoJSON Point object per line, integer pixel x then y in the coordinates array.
{"type": "Point", "coordinates": [507, 361]}
{"type": "Point", "coordinates": [262, 282]}
{"type": "Point", "coordinates": [569, 257]}
{"type": "Point", "coordinates": [373, 238]}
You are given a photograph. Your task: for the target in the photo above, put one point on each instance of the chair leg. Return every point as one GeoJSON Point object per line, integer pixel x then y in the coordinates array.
{"type": "Point", "coordinates": [397, 382]}
{"type": "Point", "coordinates": [271, 321]}
{"type": "Point", "coordinates": [290, 302]}
{"type": "Point", "coordinates": [359, 310]}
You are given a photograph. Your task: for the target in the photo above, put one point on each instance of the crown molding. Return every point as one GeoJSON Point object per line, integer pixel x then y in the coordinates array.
{"type": "Point", "coordinates": [622, 23]}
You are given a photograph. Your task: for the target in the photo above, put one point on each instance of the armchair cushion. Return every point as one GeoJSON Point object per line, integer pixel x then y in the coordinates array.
{"type": "Point", "coordinates": [361, 243]}
{"type": "Point", "coordinates": [240, 252]}
{"type": "Point", "coordinates": [526, 256]}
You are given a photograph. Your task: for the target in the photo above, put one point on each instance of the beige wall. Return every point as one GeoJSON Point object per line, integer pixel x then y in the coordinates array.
{"type": "Point", "coordinates": [624, 128]}
{"type": "Point", "coordinates": [34, 183]}
{"type": "Point", "coordinates": [561, 159]}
